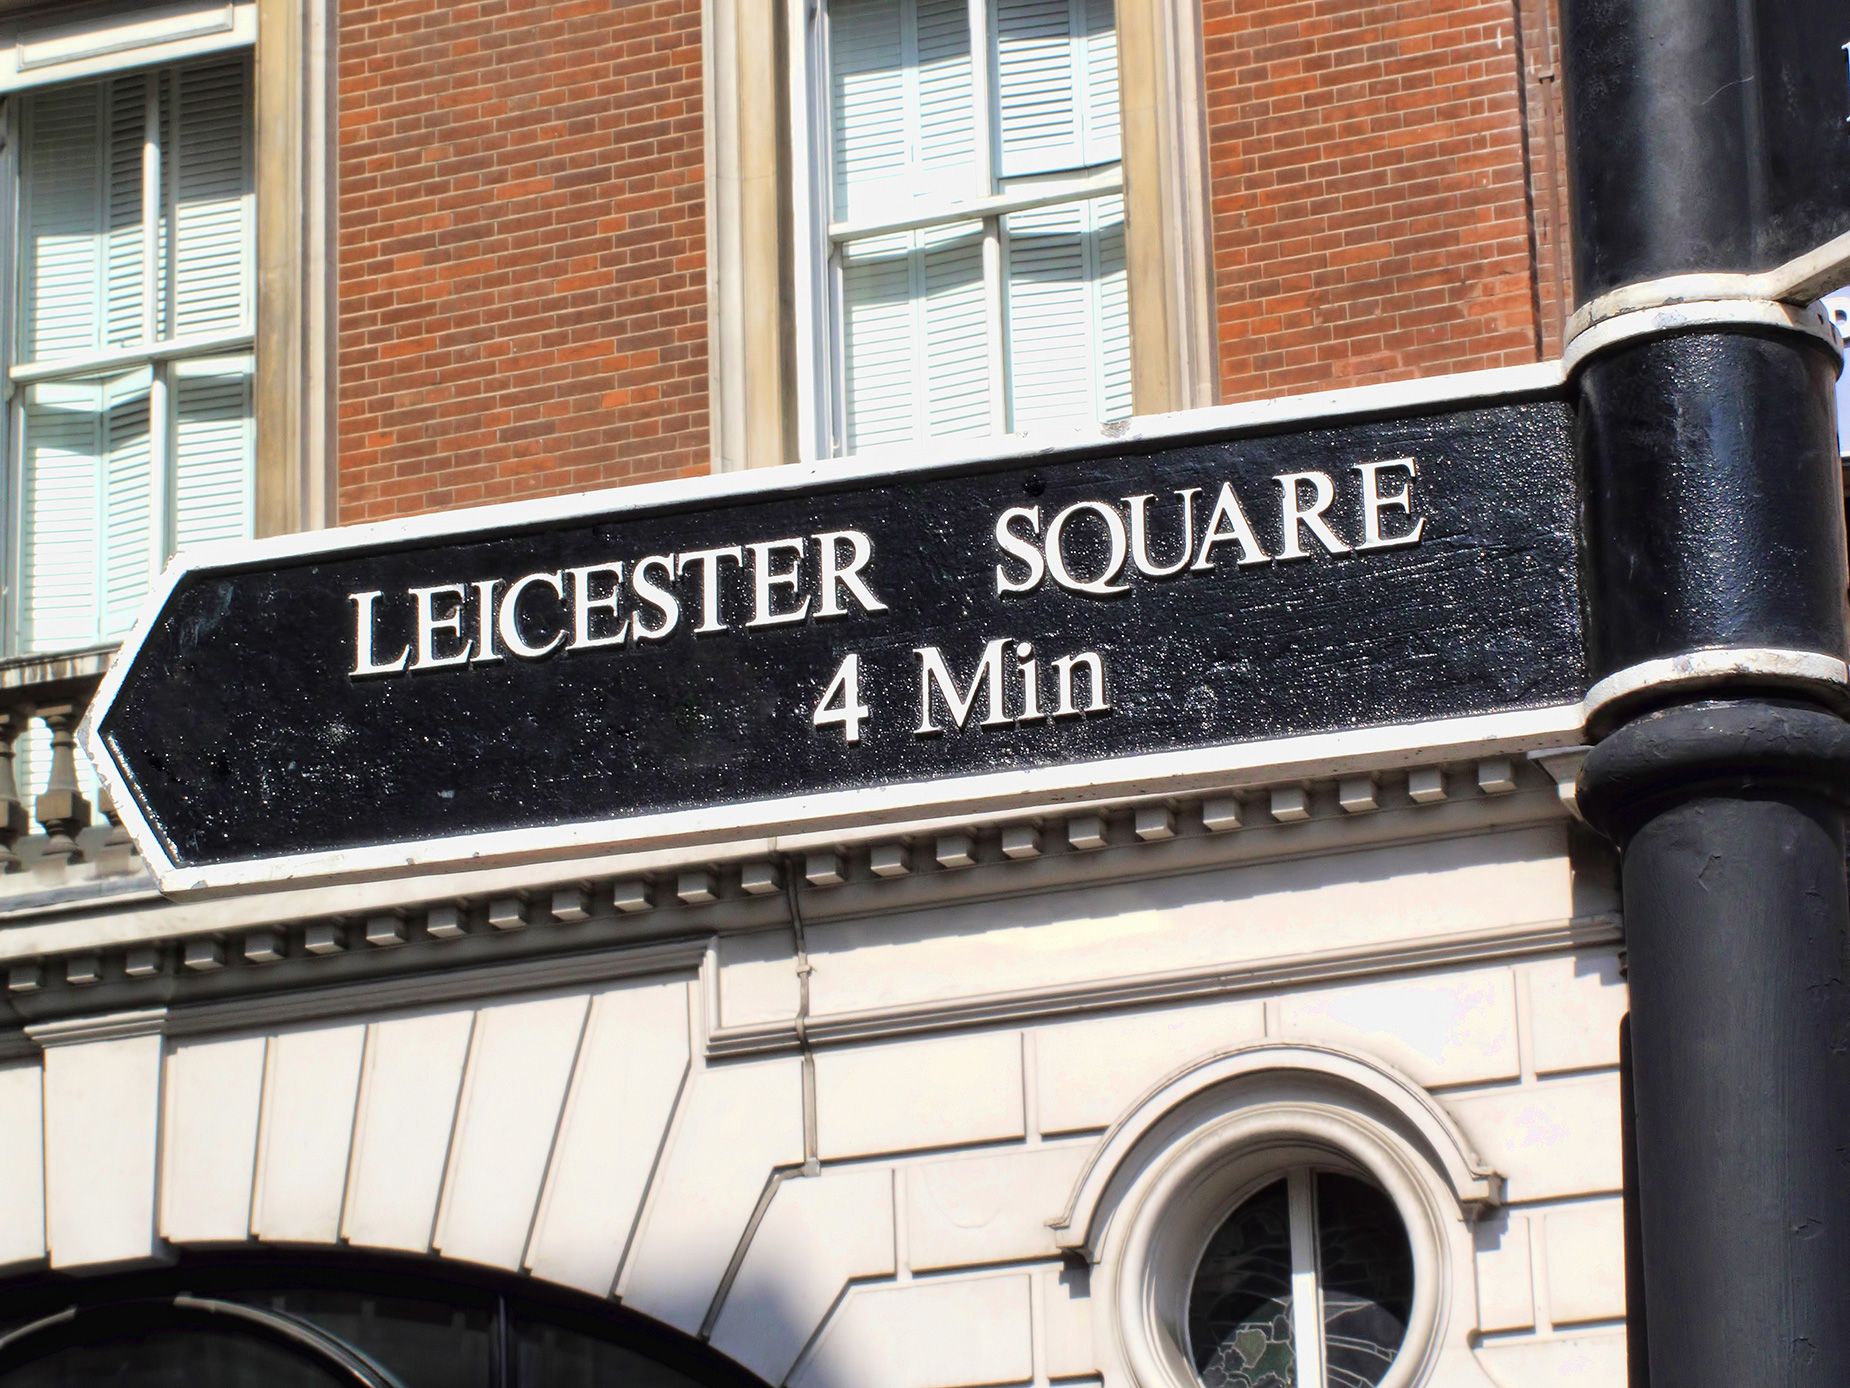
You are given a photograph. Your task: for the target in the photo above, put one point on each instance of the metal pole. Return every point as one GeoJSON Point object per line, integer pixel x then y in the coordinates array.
{"type": "Point", "coordinates": [1714, 535]}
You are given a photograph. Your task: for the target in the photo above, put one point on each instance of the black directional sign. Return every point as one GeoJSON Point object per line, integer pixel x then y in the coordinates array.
{"type": "Point", "coordinates": [852, 641]}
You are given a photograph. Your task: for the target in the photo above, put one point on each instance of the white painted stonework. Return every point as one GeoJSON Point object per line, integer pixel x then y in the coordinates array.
{"type": "Point", "coordinates": [960, 1148]}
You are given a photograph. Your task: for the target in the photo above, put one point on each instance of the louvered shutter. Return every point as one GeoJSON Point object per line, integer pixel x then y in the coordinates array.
{"type": "Point", "coordinates": [1056, 85]}
{"type": "Point", "coordinates": [209, 182]}
{"type": "Point", "coordinates": [1068, 320]}
{"type": "Point", "coordinates": [58, 601]}
{"type": "Point", "coordinates": [878, 347]}
{"type": "Point", "coordinates": [124, 280]}
{"type": "Point", "coordinates": [916, 336]}
{"type": "Point", "coordinates": [63, 214]}
{"type": "Point", "coordinates": [128, 537]}
{"type": "Point", "coordinates": [213, 442]}
{"type": "Point", "coordinates": [914, 311]}
{"type": "Point", "coordinates": [868, 78]}
{"type": "Point", "coordinates": [1112, 335]}
{"type": "Point", "coordinates": [954, 330]}
{"type": "Point", "coordinates": [902, 104]}
{"type": "Point", "coordinates": [1099, 46]}
{"type": "Point", "coordinates": [946, 147]}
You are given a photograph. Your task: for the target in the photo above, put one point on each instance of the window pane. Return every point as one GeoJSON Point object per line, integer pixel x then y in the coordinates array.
{"type": "Point", "coordinates": [424, 1344]}
{"type": "Point", "coordinates": [64, 219]}
{"type": "Point", "coordinates": [902, 105]}
{"type": "Point", "coordinates": [551, 1356]}
{"type": "Point", "coordinates": [214, 441]}
{"type": "Point", "coordinates": [89, 496]}
{"type": "Point", "coordinates": [125, 281]}
{"type": "Point", "coordinates": [1068, 314]}
{"type": "Point", "coordinates": [209, 182]}
{"type": "Point", "coordinates": [171, 1358]}
{"type": "Point", "coordinates": [915, 330]}
{"type": "Point", "coordinates": [82, 260]}
{"type": "Point", "coordinates": [1366, 1273]}
{"type": "Point", "coordinates": [1056, 85]}
{"type": "Point", "coordinates": [1239, 1307]}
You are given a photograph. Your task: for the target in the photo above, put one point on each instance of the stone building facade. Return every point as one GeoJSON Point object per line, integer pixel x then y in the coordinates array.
{"type": "Point", "coordinates": [910, 1102]}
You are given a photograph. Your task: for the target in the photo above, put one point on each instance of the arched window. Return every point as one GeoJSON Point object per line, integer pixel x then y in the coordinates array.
{"type": "Point", "coordinates": [279, 1323]}
{"type": "Point", "coordinates": [1308, 1283]}
{"type": "Point", "coordinates": [1284, 1215]}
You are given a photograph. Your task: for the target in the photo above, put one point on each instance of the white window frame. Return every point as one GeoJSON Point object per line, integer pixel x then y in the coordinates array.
{"type": "Point", "coordinates": [44, 50]}
{"type": "Point", "coordinates": [821, 403]}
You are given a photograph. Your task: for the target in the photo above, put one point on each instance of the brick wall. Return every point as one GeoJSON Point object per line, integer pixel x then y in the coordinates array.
{"type": "Point", "coordinates": [1370, 209]}
{"type": "Point", "coordinates": [522, 249]}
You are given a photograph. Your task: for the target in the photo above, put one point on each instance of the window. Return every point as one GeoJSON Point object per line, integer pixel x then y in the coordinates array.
{"type": "Point", "coordinates": [1282, 1215]}
{"type": "Point", "coordinates": [359, 1323]}
{"type": "Point", "coordinates": [1309, 1282]}
{"type": "Point", "coordinates": [129, 424]}
{"type": "Point", "coordinates": [974, 219]}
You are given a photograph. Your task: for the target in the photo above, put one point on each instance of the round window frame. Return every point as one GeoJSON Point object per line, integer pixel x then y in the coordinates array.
{"type": "Point", "coordinates": [1314, 1160]}
{"type": "Point", "coordinates": [1182, 1197]}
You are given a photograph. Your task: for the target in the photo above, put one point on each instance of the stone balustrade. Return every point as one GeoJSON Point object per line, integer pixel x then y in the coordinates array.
{"type": "Point", "coordinates": [54, 816]}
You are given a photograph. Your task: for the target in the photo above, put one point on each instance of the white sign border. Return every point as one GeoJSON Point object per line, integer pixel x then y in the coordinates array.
{"type": "Point", "coordinates": [982, 794]}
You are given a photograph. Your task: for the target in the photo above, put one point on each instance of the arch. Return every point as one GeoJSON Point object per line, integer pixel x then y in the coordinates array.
{"type": "Point", "coordinates": [1170, 1170]}
{"type": "Point", "coordinates": [1294, 1082]}
{"type": "Point", "coordinates": [287, 1298]}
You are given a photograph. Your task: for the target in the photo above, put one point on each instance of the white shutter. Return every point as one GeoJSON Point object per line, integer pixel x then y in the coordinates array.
{"type": "Point", "coordinates": [208, 159]}
{"type": "Point", "coordinates": [946, 153]}
{"type": "Point", "coordinates": [1049, 319]}
{"type": "Point", "coordinates": [128, 501]}
{"type": "Point", "coordinates": [902, 104]}
{"type": "Point", "coordinates": [124, 290]}
{"type": "Point", "coordinates": [1099, 51]}
{"type": "Point", "coordinates": [58, 602]}
{"type": "Point", "coordinates": [63, 216]}
{"type": "Point", "coordinates": [867, 103]}
{"type": "Point", "coordinates": [916, 336]}
{"type": "Point", "coordinates": [954, 327]}
{"type": "Point", "coordinates": [1112, 330]}
{"type": "Point", "coordinates": [878, 357]}
{"type": "Point", "coordinates": [1056, 85]}
{"type": "Point", "coordinates": [213, 443]}
{"type": "Point", "coordinates": [1068, 325]}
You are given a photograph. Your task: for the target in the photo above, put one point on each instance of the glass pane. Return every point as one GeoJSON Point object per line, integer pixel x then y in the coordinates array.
{"type": "Point", "coordinates": [214, 444]}
{"type": "Point", "coordinates": [423, 1344]}
{"type": "Point", "coordinates": [552, 1356]}
{"type": "Point", "coordinates": [1239, 1308]}
{"type": "Point", "coordinates": [902, 105]}
{"type": "Point", "coordinates": [61, 208]}
{"type": "Point", "coordinates": [209, 180]}
{"type": "Point", "coordinates": [1366, 1272]}
{"type": "Point", "coordinates": [174, 1358]}
{"type": "Point", "coordinates": [1068, 315]}
{"type": "Point", "coordinates": [915, 336]}
{"type": "Point", "coordinates": [88, 550]}
{"type": "Point", "coordinates": [1056, 85]}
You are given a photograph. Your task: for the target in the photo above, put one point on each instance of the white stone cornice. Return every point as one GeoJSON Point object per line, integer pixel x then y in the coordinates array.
{"type": "Point", "coordinates": [111, 1026]}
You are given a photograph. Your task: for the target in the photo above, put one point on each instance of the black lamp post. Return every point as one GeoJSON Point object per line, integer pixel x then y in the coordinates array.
{"type": "Point", "coordinates": [1711, 176]}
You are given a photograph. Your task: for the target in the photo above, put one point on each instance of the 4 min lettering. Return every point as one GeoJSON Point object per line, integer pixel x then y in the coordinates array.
{"type": "Point", "coordinates": [1010, 685]}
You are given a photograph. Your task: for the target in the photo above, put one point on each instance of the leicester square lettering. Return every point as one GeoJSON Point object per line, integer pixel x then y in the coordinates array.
{"type": "Point", "coordinates": [1094, 549]}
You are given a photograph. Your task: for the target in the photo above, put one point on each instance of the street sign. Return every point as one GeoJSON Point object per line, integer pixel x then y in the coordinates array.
{"type": "Point", "coordinates": [740, 655]}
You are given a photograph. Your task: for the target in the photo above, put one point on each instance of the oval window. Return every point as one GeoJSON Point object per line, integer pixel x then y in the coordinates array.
{"type": "Point", "coordinates": [1307, 1284]}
